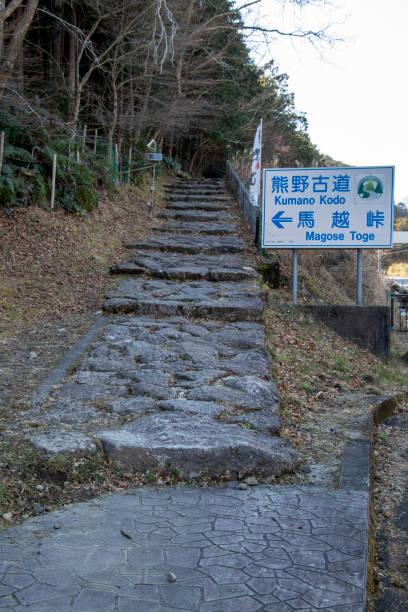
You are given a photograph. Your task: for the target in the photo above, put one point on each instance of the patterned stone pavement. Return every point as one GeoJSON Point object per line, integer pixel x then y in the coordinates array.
{"type": "Point", "coordinates": [212, 550]}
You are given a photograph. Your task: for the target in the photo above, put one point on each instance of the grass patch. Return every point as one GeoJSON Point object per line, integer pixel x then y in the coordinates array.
{"type": "Point", "coordinates": [340, 363]}
{"type": "Point", "coordinates": [387, 376]}
{"type": "Point", "coordinates": [307, 387]}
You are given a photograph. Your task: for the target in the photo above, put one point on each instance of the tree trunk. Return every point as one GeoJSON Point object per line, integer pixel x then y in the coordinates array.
{"type": "Point", "coordinates": [72, 69]}
{"type": "Point", "coordinates": [114, 121]}
{"type": "Point", "coordinates": [2, 7]}
{"type": "Point", "coordinates": [11, 53]}
{"type": "Point", "coordinates": [143, 111]}
{"type": "Point", "coordinates": [58, 42]}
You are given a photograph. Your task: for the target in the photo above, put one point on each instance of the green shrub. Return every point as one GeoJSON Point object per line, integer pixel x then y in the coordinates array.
{"type": "Point", "coordinates": [27, 166]}
{"type": "Point", "coordinates": [172, 164]}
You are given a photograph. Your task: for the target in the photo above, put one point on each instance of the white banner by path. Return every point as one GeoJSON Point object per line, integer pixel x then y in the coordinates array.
{"type": "Point", "coordinates": [255, 183]}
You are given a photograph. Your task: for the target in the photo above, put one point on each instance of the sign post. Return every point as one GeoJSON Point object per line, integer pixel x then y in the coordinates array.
{"type": "Point", "coordinates": [328, 208]}
{"type": "Point", "coordinates": [154, 157]}
{"type": "Point", "coordinates": [294, 275]}
{"type": "Point", "coordinates": [359, 277]}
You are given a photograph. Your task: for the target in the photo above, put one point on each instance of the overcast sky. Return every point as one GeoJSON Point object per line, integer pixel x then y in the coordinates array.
{"type": "Point", "coordinates": [356, 95]}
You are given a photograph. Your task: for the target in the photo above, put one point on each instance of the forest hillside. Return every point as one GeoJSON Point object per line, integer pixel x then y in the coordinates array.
{"type": "Point", "coordinates": [95, 81]}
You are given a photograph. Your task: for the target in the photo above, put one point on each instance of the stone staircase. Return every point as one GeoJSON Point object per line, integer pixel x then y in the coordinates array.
{"type": "Point", "coordinates": [183, 379]}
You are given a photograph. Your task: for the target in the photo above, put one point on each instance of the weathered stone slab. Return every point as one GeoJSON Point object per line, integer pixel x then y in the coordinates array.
{"type": "Point", "coordinates": [239, 336]}
{"type": "Point", "coordinates": [196, 204]}
{"type": "Point", "coordinates": [67, 411]}
{"type": "Point", "coordinates": [190, 379]}
{"type": "Point", "coordinates": [132, 405]}
{"type": "Point", "coordinates": [257, 387]}
{"type": "Point", "coordinates": [157, 392]}
{"type": "Point", "coordinates": [187, 267]}
{"type": "Point", "coordinates": [196, 184]}
{"type": "Point", "coordinates": [232, 397]}
{"type": "Point", "coordinates": [174, 243]}
{"type": "Point", "coordinates": [194, 446]}
{"type": "Point", "coordinates": [180, 227]}
{"type": "Point", "coordinates": [190, 197]}
{"type": "Point", "coordinates": [207, 409]}
{"type": "Point", "coordinates": [92, 393]}
{"type": "Point", "coordinates": [71, 443]}
{"type": "Point", "coordinates": [202, 189]}
{"type": "Point", "coordinates": [227, 302]}
{"type": "Point", "coordinates": [264, 421]}
{"type": "Point", "coordinates": [196, 216]}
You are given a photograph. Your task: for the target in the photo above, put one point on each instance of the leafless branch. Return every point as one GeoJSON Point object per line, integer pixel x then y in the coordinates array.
{"type": "Point", "coordinates": [166, 40]}
{"type": "Point", "coordinates": [9, 9]}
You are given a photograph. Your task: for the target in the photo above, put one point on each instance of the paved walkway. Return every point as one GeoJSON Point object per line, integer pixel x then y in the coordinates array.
{"type": "Point", "coordinates": [178, 377]}
{"type": "Point", "coordinates": [210, 550]}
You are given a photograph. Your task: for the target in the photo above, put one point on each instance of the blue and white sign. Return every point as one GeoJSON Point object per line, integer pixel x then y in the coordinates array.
{"type": "Point", "coordinates": [338, 208]}
{"type": "Point", "coordinates": [155, 156]}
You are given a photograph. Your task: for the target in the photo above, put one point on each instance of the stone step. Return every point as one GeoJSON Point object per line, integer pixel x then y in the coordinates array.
{"type": "Point", "coordinates": [203, 198]}
{"type": "Point", "coordinates": [196, 216]}
{"type": "Point", "coordinates": [170, 375]}
{"type": "Point", "coordinates": [187, 267]}
{"type": "Point", "coordinates": [228, 301]}
{"type": "Point", "coordinates": [196, 182]}
{"type": "Point", "coordinates": [195, 446]}
{"type": "Point", "coordinates": [197, 191]}
{"type": "Point", "coordinates": [213, 229]}
{"type": "Point", "coordinates": [174, 243]}
{"type": "Point", "coordinates": [193, 205]}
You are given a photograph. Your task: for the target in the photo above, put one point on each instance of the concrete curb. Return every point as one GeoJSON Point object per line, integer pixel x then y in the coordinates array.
{"type": "Point", "coordinates": [356, 473]}
{"type": "Point", "coordinates": [356, 466]}
{"type": "Point", "coordinates": [66, 363]}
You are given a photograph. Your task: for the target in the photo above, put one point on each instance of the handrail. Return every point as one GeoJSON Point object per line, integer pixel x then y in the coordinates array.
{"type": "Point", "coordinates": [238, 188]}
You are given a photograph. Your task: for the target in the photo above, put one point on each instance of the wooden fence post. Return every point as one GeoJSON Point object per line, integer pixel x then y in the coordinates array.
{"type": "Point", "coordinates": [84, 137]}
{"type": "Point", "coordinates": [2, 135]}
{"type": "Point", "coordinates": [117, 163]}
{"type": "Point", "coordinates": [54, 174]}
{"type": "Point", "coordinates": [129, 162]}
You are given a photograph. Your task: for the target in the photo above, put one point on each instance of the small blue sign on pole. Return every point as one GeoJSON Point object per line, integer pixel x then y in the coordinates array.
{"type": "Point", "coordinates": [155, 156]}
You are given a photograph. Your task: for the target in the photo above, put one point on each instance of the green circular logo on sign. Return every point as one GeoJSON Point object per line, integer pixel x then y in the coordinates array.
{"type": "Point", "coordinates": [370, 188]}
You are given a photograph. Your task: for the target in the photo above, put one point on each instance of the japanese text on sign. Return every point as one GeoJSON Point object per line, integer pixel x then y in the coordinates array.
{"type": "Point", "coordinates": [328, 207]}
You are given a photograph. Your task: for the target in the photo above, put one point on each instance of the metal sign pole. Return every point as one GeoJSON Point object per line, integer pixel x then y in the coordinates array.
{"type": "Point", "coordinates": [294, 275]}
{"type": "Point", "coordinates": [359, 277]}
{"type": "Point", "coordinates": [153, 187]}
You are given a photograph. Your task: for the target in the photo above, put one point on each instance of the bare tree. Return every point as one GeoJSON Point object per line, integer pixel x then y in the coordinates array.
{"type": "Point", "coordinates": [99, 57]}
{"type": "Point", "coordinates": [13, 28]}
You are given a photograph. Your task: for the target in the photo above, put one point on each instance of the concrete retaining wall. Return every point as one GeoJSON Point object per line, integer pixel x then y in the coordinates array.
{"type": "Point", "coordinates": [367, 326]}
